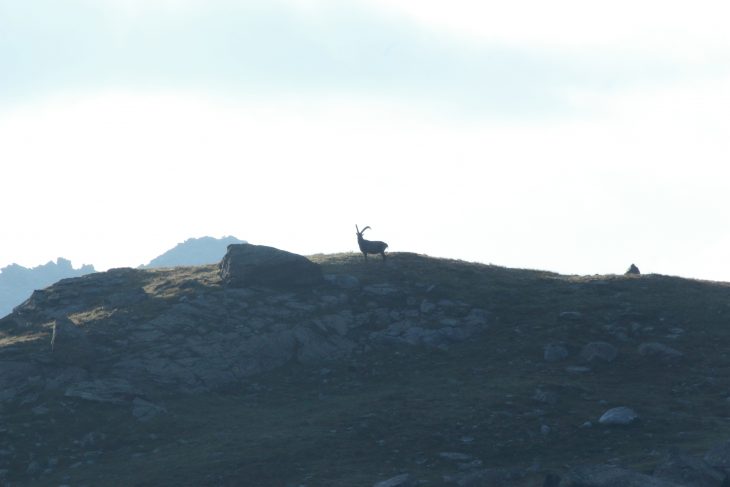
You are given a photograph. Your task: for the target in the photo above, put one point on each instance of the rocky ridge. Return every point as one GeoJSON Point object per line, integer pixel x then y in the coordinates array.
{"type": "Point", "coordinates": [499, 363]}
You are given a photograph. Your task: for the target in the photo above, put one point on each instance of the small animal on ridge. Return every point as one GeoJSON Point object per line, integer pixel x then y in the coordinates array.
{"type": "Point", "coordinates": [370, 246]}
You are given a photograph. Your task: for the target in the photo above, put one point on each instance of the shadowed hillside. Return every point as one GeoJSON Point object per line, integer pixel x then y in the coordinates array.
{"type": "Point", "coordinates": [417, 370]}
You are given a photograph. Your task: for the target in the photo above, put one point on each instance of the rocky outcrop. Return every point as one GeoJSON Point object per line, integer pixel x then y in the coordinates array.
{"type": "Point", "coordinates": [246, 265]}
{"type": "Point", "coordinates": [379, 346]}
{"type": "Point", "coordinates": [619, 416]}
{"type": "Point", "coordinates": [126, 336]}
{"type": "Point", "coordinates": [632, 270]}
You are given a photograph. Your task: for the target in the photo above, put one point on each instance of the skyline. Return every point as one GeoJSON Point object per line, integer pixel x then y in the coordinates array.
{"type": "Point", "coordinates": [566, 138]}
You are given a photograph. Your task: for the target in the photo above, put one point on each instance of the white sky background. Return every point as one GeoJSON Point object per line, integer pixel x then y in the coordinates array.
{"type": "Point", "coordinates": [576, 137]}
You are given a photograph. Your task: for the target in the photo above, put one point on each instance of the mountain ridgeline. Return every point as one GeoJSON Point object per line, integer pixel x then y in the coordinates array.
{"type": "Point", "coordinates": [194, 251]}
{"type": "Point", "coordinates": [275, 369]}
{"type": "Point", "coordinates": [18, 282]}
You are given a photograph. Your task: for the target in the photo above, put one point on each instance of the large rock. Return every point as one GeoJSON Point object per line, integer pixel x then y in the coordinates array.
{"type": "Point", "coordinates": [633, 270]}
{"type": "Point", "coordinates": [621, 416]}
{"type": "Point", "coordinates": [246, 265]}
{"type": "Point", "coordinates": [611, 476]}
{"type": "Point", "coordinates": [689, 471]}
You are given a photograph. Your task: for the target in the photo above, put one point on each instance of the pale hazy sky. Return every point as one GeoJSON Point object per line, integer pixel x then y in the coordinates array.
{"type": "Point", "coordinates": [570, 135]}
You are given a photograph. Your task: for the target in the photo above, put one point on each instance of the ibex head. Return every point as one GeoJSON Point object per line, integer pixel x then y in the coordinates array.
{"type": "Point", "coordinates": [360, 232]}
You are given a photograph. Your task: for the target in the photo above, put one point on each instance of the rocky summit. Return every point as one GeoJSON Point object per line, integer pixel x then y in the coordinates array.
{"type": "Point", "coordinates": [273, 369]}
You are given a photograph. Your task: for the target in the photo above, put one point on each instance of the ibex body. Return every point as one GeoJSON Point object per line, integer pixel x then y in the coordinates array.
{"type": "Point", "coordinates": [370, 246]}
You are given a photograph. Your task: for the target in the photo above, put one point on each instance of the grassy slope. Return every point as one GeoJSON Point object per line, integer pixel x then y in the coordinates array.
{"type": "Point", "coordinates": [391, 411]}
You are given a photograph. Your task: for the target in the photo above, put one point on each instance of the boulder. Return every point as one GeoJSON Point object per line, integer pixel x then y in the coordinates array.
{"type": "Point", "coordinates": [619, 416]}
{"type": "Point", "coordinates": [632, 270]}
{"type": "Point", "coordinates": [684, 469]}
{"type": "Point", "coordinates": [246, 265]}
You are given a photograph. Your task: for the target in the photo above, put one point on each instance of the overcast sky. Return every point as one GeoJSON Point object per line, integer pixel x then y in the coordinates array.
{"type": "Point", "coordinates": [571, 136]}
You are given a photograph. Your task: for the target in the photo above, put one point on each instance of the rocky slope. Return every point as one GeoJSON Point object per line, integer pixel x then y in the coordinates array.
{"type": "Point", "coordinates": [418, 371]}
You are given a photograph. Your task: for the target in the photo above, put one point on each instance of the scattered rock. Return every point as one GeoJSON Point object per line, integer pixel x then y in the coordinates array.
{"type": "Point", "coordinates": [660, 351]}
{"type": "Point", "coordinates": [246, 265]}
{"type": "Point", "coordinates": [577, 369]}
{"type": "Point", "coordinates": [427, 306]}
{"type": "Point", "coordinates": [14, 378]}
{"type": "Point", "coordinates": [33, 468]}
{"type": "Point", "coordinates": [545, 397]}
{"type": "Point", "coordinates": [551, 480]}
{"type": "Point", "coordinates": [689, 471]}
{"type": "Point", "coordinates": [477, 318]}
{"type": "Point", "coordinates": [92, 439]}
{"type": "Point", "coordinates": [69, 344]}
{"type": "Point", "coordinates": [621, 415]}
{"type": "Point", "coordinates": [382, 289]}
{"type": "Point", "coordinates": [488, 477]}
{"type": "Point", "coordinates": [611, 476]}
{"type": "Point", "coordinates": [343, 281]}
{"type": "Point", "coordinates": [402, 480]}
{"type": "Point", "coordinates": [598, 352]}
{"type": "Point", "coordinates": [67, 331]}
{"type": "Point", "coordinates": [570, 315]}
{"type": "Point", "coordinates": [555, 352]}
{"type": "Point", "coordinates": [719, 457]}
{"type": "Point", "coordinates": [145, 410]}
{"type": "Point", "coordinates": [40, 410]}
{"type": "Point", "coordinates": [117, 391]}
{"type": "Point", "coordinates": [455, 456]}
{"type": "Point", "coordinates": [64, 376]}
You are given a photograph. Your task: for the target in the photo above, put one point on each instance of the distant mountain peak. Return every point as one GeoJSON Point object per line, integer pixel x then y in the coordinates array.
{"type": "Point", "coordinates": [194, 251]}
{"type": "Point", "coordinates": [18, 282]}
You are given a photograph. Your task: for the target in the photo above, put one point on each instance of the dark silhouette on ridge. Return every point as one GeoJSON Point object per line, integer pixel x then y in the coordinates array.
{"type": "Point", "coordinates": [370, 246]}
